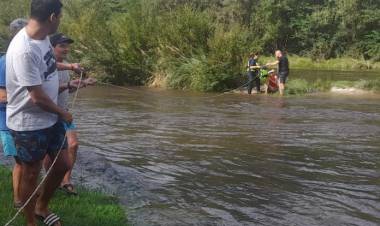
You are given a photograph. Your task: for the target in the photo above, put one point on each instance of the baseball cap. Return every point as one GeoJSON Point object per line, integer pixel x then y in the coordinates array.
{"type": "Point", "coordinates": [59, 39]}
{"type": "Point", "coordinates": [17, 24]}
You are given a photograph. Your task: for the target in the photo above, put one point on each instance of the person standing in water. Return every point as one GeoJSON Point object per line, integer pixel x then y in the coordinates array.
{"type": "Point", "coordinates": [253, 72]}
{"type": "Point", "coordinates": [282, 63]}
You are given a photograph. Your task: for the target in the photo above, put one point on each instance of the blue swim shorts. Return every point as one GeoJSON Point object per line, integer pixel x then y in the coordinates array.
{"type": "Point", "coordinates": [33, 146]}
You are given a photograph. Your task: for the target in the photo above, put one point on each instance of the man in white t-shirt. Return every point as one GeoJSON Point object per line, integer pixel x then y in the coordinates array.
{"type": "Point", "coordinates": [32, 110]}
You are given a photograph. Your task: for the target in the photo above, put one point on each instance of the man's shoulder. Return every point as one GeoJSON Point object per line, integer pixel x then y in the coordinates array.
{"type": "Point", "coordinates": [22, 45]}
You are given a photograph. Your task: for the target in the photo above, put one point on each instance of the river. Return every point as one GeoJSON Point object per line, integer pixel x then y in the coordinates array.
{"type": "Point", "coordinates": [184, 158]}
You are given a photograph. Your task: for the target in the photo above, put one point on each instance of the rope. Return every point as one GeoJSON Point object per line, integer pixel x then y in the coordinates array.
{"type": "Point", "coordinates": [53, 163]}
{"type": "Point", "coordinates": [137, 91]}
{"type": "Point", "coordinates": [120, 87]}
{"type": "Point", "coordinates": [227, 91]}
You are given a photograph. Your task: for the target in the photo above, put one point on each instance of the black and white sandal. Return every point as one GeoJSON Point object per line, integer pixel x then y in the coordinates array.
{"type": "Point", "coordinates": [49, 220]}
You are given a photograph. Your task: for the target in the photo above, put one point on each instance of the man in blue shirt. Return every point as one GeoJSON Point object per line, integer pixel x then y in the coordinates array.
{"type": "Point", "coordinates": [5, 136]}
{"type": "Point", "coordinates": [253, 72]}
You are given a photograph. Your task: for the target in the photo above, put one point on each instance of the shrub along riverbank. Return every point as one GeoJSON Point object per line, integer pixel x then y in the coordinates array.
{"type": "Point", "coordinates": [203, 45]}
{"type": "Point", "coordinates": [87, 209]}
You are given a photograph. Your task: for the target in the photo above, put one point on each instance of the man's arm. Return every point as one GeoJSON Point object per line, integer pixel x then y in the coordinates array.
{"type": "Point", "coordinates": [3, 95]}
{"type": "Point", "coordinates": [75, 67]}
{"type": "Point", "coordinates": [255, 67]}
{"type": "Point", "coordinates": [272, 63]}
{"type": "Point", "coordinates": [43, 101]}
{"type": "Point", "coordinates": [63, 88]}
{"type": "Point", "coordinates": [72, 86]}
{"type": "Point", "coordinates": [3, 92]}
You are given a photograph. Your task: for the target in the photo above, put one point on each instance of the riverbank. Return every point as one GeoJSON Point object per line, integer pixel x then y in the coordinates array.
{"type": "Point", "coordinates": [195, 74]}
{"type": "Point", "coordinates": [88, 208]}
{"type": "Point", "coordinates": [339, 64]}
{"type": "Point", "coordinates": [302, 86]}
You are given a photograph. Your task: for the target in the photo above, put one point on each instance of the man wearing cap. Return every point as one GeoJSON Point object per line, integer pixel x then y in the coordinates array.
{"type": "Point", "coordinates": [5, 136]}
{"type": "Point", "coordinates": [61, 45]}
{"type": "Point", "coordinates": [32, 110]}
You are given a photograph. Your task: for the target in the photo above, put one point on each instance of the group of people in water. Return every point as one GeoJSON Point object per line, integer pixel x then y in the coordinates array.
{"type": "Point", "coordinates": [36, 126]}
{"type": "Point", "coordinates": [280, 78]}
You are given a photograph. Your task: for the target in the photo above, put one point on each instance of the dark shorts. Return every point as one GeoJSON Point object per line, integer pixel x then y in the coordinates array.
{"type": "Point", "coordinates": [32, 146]}
{"type": "Point", "coordinates": [282, 77]}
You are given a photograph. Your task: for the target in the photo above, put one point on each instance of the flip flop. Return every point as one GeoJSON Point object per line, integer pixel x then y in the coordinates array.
{"type": "Point", "coordinates": [49, 220]}
{"type": "Point", "coordinates": [69, 189]}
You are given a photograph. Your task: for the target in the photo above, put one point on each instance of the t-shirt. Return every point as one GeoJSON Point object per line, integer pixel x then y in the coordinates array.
{"type": "Point", "coordinates": [3, 125]}
{"type": "Point", "coordinates": [283, 65]}
{"type": "Point", "coordinates": [252, 62]}
{"type": "Point", "coordinates": [29, 63]}
{"type": "Point", "coordinates": [63, 97]}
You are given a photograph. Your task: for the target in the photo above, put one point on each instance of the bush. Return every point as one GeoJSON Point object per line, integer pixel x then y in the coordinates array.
{"type": "Point", "coordinates": [203, 45]}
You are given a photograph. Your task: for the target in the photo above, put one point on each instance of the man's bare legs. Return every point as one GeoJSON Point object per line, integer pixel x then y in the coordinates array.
{"type": "Point", "coordinates": [281, 87]}
{"type": "Point", "coordinates": [29, 172]}
{"type": "Point", "coordinates": [72, 141]}
{"type": "Point", "coordinates": [71, 156]}
{"type": "Point", "coordinates": [52, 182]}
{"type": "Point", "coordinates": [16, 180]}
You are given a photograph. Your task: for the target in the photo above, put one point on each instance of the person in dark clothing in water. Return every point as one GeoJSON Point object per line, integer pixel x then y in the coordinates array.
{"type": "Point", "coordinates": [253, 72]}
{"type": "Point", "coordinates": [282, 68]}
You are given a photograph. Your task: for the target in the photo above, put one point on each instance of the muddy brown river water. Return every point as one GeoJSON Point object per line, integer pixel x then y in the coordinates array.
{"type": "Point", "coordinates": [183, 158]}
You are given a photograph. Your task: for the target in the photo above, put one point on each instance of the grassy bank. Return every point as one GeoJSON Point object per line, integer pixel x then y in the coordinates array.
{"type": "Point", "coordinates": [343, 64]}
{"type": "Point", "coordinates": [301, 86]}
{"type": "Point", "coordinates": [89, 208]}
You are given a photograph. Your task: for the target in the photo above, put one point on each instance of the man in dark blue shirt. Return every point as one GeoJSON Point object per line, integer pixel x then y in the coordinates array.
{"type": "Point", "coordinates": [253, 72]}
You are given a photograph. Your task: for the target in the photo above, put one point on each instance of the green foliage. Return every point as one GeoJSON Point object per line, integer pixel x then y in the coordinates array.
{"type": "Point", "coordinates": [203, 45]}
{"type": "Point", "coordinates": [301, 86]}
{"type": "Point", "coordinates": [371, 45]}
{"type": "Point", "coordinates": [10, 10]}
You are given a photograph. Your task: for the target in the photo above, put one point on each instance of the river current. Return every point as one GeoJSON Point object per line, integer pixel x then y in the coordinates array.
{"type": "Point", "coordinates": [184, 158]}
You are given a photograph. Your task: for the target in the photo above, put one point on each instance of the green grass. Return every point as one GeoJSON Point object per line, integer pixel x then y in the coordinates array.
{"type": "Point", "coordinates": [343, 64]}
{"type": "Point", "coordinates": [301, 86]}
{"type": "Point", "coordinates": [89, 208]}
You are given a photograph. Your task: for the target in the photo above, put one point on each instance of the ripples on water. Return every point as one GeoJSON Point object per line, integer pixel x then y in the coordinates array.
{"type": "Point", "coordinates": [239, 160]}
